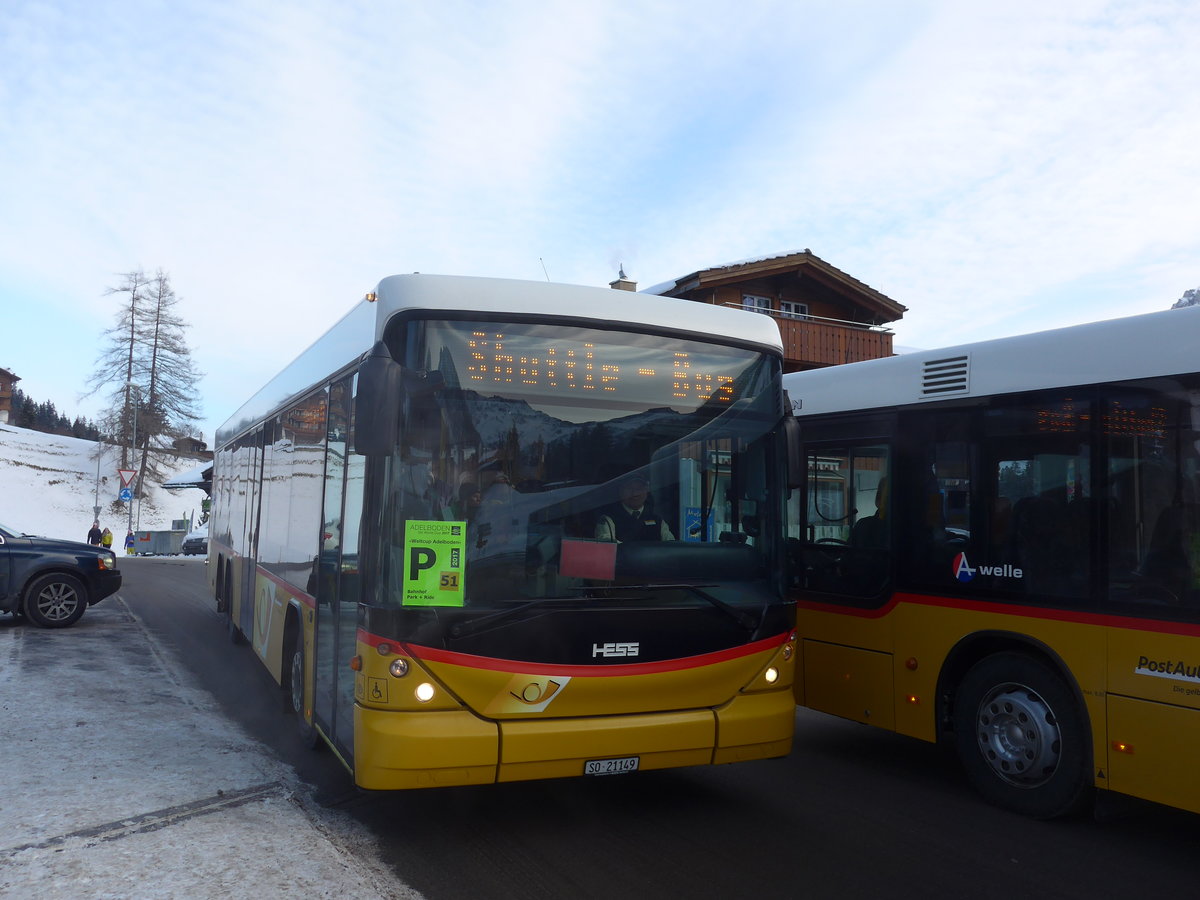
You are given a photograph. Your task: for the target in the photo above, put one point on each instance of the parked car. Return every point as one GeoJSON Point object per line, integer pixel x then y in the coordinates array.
{"type": "Point", "coordinates": [52, 581]}
{"type": "Point", "coordinates": [196, 541]}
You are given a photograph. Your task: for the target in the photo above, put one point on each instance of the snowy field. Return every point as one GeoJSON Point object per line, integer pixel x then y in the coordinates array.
{"type": "Point", "coordinates": [49, 485]}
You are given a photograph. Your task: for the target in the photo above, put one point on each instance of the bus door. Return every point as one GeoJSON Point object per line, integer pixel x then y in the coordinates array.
{"type": "Point", "coordinates": [337, 592]}
{"type": "Point", "coordinates": [251, 464]}
{"type": "Point", "coordinates": [1152, 438]}
{"type": "Point", "coordinates": [841, 527]}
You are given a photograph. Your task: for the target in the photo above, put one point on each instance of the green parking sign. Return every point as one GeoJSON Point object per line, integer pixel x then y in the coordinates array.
{"type": "Point", "coordinates": [434, 557]}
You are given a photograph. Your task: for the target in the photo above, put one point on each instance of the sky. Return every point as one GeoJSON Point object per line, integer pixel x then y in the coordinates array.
{"type": "Point", "coordinates": [996, 168]}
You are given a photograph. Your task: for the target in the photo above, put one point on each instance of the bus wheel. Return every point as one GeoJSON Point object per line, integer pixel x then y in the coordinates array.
{"type": "Point", "coordinates": [294, 697]}
{"type": "Point", "coordinates": [219, 587]}
{"type": "Point", "coordinates": [55, 600]}
{"type": "Point", "coordinates": [235, 633]}
{"type": "Point", "coordinates": [1022, 737]}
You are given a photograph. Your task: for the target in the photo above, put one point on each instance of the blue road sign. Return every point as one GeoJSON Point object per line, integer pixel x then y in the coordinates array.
{"type": "Point", "coordinates": [126, 495]}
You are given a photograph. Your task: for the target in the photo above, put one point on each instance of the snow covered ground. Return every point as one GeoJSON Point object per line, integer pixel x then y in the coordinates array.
{"type": "Point", "coordinates": [180, 804]}
{"type": "Point", "coordinates": [49, 486]}
{"type": "Point", "coordinates": [123, 777]}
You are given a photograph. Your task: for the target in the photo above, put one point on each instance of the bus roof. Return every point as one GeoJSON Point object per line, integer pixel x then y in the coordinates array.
{"type": "Point", "coordinates": [366, 322]}
{"type": "Point", "coordinates": [1152, 344]}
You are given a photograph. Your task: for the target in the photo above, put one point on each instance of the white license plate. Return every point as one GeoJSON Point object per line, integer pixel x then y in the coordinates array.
{"type": "Point", "coordinates": [610, 766]}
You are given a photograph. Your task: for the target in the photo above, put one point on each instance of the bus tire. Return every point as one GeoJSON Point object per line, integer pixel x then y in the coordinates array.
{"type": "Point", "coordinates": [219, 587]}
{"type": "Point", "coordinates": [1022, 737]}
{"type": "Point", "coordinates": [294, 695]}
{"type": "Point", "coordinates": [235, 634]}
{"type": "Point", "coordinates": [55, 600]}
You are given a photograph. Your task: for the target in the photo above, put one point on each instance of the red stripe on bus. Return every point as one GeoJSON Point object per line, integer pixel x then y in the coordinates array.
{"type": "Point", "coordinates": [307, 599]}
{"type": "Point", "coordinates": [1029, 612]}
{"type": "Point", "coordinates": [434, 654]}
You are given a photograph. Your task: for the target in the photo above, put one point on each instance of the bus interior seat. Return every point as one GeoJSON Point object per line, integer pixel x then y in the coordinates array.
{"type": "Point", "coordinates": [1041, 545]}
{"type": "Point", "coordinates": [1167, 562]}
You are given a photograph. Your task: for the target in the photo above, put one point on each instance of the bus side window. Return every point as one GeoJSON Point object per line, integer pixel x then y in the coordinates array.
{"type": "Point", "coordinates": [1153, 511]}
{"type": "Point", "coordinates": [845, 544]}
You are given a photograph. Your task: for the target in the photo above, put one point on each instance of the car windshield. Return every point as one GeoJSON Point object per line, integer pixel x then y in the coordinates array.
{"type": "Point", "coordinates": [561, 462]}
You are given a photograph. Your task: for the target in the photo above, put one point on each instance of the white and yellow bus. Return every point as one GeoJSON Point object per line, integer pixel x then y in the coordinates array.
{"type": "Point", "coordinates": [998, 545]}
{"type": "Point", "coordinates": [413, 528]}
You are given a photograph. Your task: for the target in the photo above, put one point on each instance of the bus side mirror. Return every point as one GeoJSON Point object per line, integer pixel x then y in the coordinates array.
{"type": "Point", "coordinates": [795, 467]}
{"type": "Point", "coordinates": [422, 422]}
{"type": "Point", "coordinates": [377, 403]}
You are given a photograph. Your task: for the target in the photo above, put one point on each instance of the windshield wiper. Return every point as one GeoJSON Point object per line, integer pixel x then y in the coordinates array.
{"type": "Point", "coordinates": [473, 626]}
{"type": "Point", "coordinates": [746, 621]}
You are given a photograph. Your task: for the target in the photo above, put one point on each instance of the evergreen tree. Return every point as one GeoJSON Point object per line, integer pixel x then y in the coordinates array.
{"type": "Point", "coordinates": [45, 417]}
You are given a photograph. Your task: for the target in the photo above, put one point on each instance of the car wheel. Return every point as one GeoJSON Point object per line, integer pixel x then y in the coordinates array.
{"type": "Point", "coordinates": [55, 600]}
{"type": "Point", "coordinates": [294, 695]}
{"type": "Point", "coordinates": [1022, 737]}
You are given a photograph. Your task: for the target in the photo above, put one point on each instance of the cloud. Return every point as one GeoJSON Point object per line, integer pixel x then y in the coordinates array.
{"type": "Point", "coordinates": [993, 169]}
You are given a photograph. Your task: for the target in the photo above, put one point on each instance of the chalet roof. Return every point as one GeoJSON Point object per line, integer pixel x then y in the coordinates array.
{"type": "Point", "coordinates": [794, 262]}
{"type": "Point", "coordinates": [13, 376]}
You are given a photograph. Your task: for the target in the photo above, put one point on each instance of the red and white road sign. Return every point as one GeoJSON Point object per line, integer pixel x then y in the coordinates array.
{"type": "Point", "coordinates": [126, 476]}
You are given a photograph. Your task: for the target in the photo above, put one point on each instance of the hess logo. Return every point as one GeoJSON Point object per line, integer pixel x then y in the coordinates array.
{"type": "Point", "coordinates": [615, 649]}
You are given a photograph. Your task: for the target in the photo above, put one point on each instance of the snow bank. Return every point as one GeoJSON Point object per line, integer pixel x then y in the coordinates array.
{"type": "Point", "coordinates": [49, 485]}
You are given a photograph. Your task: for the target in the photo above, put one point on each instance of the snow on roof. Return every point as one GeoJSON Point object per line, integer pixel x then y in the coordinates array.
{"type": "Point", "coordinates": [665, 286]}
{"type": "Point", "coordinates": [192, 478]}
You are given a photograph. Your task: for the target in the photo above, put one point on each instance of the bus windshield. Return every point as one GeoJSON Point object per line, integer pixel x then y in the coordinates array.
{"type": "Point", "coordinates": [566, 463]}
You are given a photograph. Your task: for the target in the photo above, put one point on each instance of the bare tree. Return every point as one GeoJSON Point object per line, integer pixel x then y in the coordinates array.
{"type": "Point", "coordinates": [146, 366]}
{"type": "Point", "coordinates": [170, 398]}
{"type": "Point", "coordinates": [118, 368]}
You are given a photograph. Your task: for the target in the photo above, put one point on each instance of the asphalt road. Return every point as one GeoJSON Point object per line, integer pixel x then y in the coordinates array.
{"type": "Point", "coordinates": [853, 812]}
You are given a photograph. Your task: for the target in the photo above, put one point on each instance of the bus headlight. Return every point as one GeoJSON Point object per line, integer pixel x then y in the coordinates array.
{"type": "Point", "coordinates": [771, 675]}
{"type": "Point", "coordinates": [398, 667]}
{"type": "Point", "coordinates": [424, 692]}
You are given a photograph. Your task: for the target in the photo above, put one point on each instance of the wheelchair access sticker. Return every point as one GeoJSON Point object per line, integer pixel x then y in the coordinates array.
{"type": "Point", "coordinates": [434, 553]}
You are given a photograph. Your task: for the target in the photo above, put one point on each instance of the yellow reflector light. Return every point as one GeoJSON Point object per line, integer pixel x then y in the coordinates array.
{"type": "Point", "coordinates": [1122, 747]}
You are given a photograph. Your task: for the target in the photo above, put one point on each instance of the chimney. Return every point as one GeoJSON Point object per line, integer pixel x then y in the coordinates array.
{"type": "Point", "coordinates": [622, 283]}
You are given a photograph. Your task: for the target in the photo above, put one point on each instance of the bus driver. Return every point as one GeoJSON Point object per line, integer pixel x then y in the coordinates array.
{"type": "Point", "coordinates": [631, 520]}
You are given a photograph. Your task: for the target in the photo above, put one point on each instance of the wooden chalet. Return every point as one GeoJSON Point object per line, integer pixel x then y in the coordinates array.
{"type": "Point", "coordinates": [825, 316]}
{"type": "Point", "coordinates": [8, 382]}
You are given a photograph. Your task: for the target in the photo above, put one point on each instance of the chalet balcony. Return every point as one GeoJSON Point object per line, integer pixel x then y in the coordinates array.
{"type": "Point", "coordinates": [811, 342]}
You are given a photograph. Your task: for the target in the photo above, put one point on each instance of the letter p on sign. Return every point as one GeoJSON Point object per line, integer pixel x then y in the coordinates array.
{"type": "Point", "coordinates": [420, 559]}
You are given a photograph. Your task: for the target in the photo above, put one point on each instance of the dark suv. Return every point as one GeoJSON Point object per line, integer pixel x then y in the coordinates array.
{"type": "Point", "coordinates": [51, 581]}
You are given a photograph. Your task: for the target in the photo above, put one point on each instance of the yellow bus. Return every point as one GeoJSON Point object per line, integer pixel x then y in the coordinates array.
{"type": "Point", "coordinates": [489, 530]}
{"type": "Point", "coordinates": [998, 546]}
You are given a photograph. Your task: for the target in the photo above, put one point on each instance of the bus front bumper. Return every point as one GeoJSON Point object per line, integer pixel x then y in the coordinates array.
{"type": "Point", "coordinates": [404, 750]}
